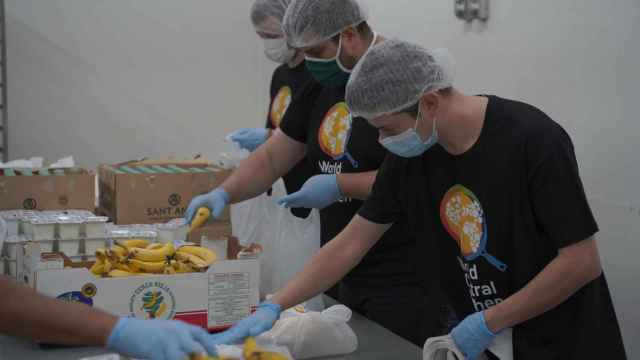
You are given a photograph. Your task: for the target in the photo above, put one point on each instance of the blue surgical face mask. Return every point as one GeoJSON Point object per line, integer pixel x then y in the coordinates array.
{"type": "Point", "coordinates": [409, 143]}
{"type": "Point", "coordinates": [331, 73]}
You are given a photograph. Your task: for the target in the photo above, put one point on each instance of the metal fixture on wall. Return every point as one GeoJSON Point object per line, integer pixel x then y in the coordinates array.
{"type": "Point", "coordinates": [469, 10]}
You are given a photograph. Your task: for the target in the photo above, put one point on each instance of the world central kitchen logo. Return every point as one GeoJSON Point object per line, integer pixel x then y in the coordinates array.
{"type": "Point", "coordinates": [153, 300]}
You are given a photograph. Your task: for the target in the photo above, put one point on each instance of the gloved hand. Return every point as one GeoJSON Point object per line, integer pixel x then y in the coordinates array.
{"type": "Point", "coordinates": [215, 201]}
{"type": "Point", "coordinates": [318, 192]}
{"type": "Point", "coordinates": [253, 325]}
{"type": "Point", "coordinates": [472, 336]}
{"type": "Point", "coordinates": [249, 139]}
{"type": "Point", "coordinates": [158, 339]}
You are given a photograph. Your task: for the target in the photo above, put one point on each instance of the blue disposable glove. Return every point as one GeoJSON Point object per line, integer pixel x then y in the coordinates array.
{"type": "Point", "coordinates": [253, 325]}
{"type": "Point", "coordinates": [472, 336]}
{"type": "Point", "coordinates": [249, 139]}
{"type": "Point", "coordinates": [158, 339]}
{"type": "Point", "coordinates": [318, 192]}
{"type": "Point", "coordinates": [216, 200]}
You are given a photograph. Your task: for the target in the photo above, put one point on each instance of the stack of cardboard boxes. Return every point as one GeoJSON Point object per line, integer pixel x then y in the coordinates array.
{"type": "Point", "coordinates": [141, 192]}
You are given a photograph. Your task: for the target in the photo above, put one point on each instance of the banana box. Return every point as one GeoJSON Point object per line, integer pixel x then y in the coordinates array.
{"type": "Point", "coordinates": [155, 192]}
{"type": "Point", "coordinates": [227, 292]}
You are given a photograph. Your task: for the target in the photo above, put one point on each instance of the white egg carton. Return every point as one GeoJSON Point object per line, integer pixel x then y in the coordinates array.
{"type": "Point", "coordinates": [9, 253]}
{"type": "Point", "coordinates": [91, 245]}
{"type": "Point", "coordinates": [95, 227]}
{"type": "Point", "coordinates": [174, 230]}
{"type": "Point", "coordinates": [41, 228]}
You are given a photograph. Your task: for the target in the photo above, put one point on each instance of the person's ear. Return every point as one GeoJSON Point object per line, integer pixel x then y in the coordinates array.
{"type": "Point", "coordinates": [430, 104]}
{"type": "Point", "coordinates": [350, 40]}
{"type": "Point", "coordinates": [351, 47]}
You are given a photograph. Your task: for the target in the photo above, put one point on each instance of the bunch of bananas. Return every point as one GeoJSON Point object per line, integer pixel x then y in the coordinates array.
{"type": "Point", "coordinates": [141, 257]}
{"type": "Point", "coordinates": [250, 352]}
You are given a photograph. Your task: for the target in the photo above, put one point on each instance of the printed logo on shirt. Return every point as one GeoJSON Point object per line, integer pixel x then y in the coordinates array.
{"type": "Point", "coordinates": [280, 105]}
{"type": "Point", "coordinates": [334, 133]}
{"type": "Point", "coordinates": [464, 219]}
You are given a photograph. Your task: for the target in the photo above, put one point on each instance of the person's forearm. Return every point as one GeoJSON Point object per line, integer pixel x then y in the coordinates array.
{"type": "Point", "coordinates": [25, 313]}
{"type": "Point", "coordinates": [331, 263]}
{"type": "Point", "coordinates": [357, 185]}
{"type": "Point", "coordinates": [574, 267]}
{"type": "Point", "coordinates": [263, 167]}
{"type": "Point", "coordinates": [253, 177]}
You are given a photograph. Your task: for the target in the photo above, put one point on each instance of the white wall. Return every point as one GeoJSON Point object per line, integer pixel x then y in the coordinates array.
{"type": "Point", "coordinates": [114, 80]}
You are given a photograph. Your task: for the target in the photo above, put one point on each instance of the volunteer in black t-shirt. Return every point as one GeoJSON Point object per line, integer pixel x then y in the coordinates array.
{"type": "Point", "coordinates": [384, 286]}
{"type": "Point", "coordinates": [287, 81]}
{"type": "Point", "coordinates": [493, 186]}
{"type": "Point", "coordinates": [345, 154]}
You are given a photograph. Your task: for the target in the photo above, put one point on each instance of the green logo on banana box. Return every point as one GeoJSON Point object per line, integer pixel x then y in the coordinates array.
{"type": "Point", "coordinates": [153, 300]}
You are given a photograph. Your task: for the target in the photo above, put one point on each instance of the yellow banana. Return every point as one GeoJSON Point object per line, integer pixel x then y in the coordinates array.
{"type": "Point", "coordinates": [120, 273]}
{"type": "Point", "coordinates": [205, 357]}
{"type": "Point", "coordinates": [154, 246]}
{"type": "Point", "coordinates": [147, 266]}
{"type": "Point", "coordinates": [169, 270]}
{"type": "Point", "coordinates": [98, 267]}
{"type": "Point", "coordinates": [251, 352]}
{"type": "Point", "coordinates": [154, 255]}
{"type": "Point", "coordinates": [203, 253]}
{"type": "Point", "coordinates": [201, 217]}
{"type": "Point", "coordinates": [101, 254]}
{"type": "Point", "coordinates": [118, 251]}
{"type": "Point", "coordinates": [250, 346]}
{"type": "Point", "coordinates": [181, 268]}
{"type": "Point", "coordinates": [108, 265]}
{"type": "Point", "coordinates": [125, 266]}
{"type": "Point", "coordinates": [191, 259]}
{"type": "Point", "coordinates": [133, 243]}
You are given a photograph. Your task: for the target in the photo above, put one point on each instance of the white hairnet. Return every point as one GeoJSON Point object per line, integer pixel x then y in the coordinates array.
{"type": "Point", "coordinates": [394, 75]}
{"type": "Point", "coordinates": [310, 22]}
{"type": "Point", "coordinates": [263, 10]}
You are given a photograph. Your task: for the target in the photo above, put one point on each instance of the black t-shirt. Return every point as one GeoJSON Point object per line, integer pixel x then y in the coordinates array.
{"type": "Point", "coordinates": [338, 143]}
{"type": "Point", "coordinates": [287, 83]}
{"type": "Point", "coordinates": [492, 218]}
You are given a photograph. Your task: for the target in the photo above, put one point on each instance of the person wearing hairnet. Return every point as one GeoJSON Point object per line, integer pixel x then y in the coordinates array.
{"type": "Point", "coordinates": [287, 82]}
{"type": "Point", "coordinates": [334, 35]}
{"type": "Point", "coordinates": [493, 186]}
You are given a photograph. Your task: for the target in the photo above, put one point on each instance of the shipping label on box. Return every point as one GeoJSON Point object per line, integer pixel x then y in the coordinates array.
{"type": "Point", "coordinates": [146, 194]}
{"type": "Point", "coordinates": [216, 299]}
{"type": "Point", "coordinates": [40, 190]}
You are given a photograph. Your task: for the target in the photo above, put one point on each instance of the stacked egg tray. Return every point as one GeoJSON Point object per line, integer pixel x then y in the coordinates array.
{"type": "Point", "coordinates": [76, 233]}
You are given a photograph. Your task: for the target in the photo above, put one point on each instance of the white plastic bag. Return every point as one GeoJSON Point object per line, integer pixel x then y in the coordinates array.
{"type": "Point", "coordinates": [288, 242]}
{"type": "Point", "coordinates": [443, 348]}
{"type": "Point", "coordinates": [315, 334]}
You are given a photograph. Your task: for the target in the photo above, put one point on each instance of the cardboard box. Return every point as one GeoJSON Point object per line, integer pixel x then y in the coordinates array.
{"type": "Point", "coordinates": [215, 300]}
{"type": "Point", "coordinates": [148, 192]}
{"type": "Point", "coordinates": [47, 190]}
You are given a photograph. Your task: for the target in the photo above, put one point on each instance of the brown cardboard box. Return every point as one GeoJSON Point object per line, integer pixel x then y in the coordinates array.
{"type": "Point", "coordinates": [75, 189]}
{"type": "Point", "coordinates": [137, 197]}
